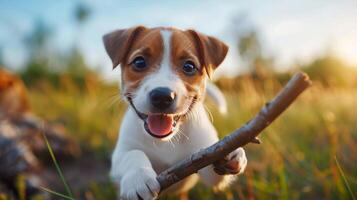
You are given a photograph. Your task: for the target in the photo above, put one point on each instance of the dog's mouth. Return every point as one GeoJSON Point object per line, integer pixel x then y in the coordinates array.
{"type": "Point", "coordinates": [158, 125]}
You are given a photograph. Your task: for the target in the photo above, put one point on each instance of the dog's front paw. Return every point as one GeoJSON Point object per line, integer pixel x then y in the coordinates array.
{"type": "Point", "coordinates": [139, 184]}
{"type": "Point", "coordinates": [234, 163]}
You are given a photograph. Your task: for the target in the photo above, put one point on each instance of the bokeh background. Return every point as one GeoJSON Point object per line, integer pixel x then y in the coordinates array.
{"type": "Point", "coordinates": [56, 49]}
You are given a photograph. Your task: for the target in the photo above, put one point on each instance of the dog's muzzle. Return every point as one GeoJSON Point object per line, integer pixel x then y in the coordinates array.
{"type": "Point", "coordinates": [159, 125]}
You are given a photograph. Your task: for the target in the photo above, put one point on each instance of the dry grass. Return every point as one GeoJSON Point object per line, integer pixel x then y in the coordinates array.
{"type": "Point", "coordinates": [295, 161]}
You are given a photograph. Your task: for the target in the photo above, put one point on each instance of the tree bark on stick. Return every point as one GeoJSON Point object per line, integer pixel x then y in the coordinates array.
{"type": "Point", "coordinates": [239, 137]}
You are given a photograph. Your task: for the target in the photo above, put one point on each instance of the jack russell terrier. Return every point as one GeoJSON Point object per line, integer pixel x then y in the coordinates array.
{"type": "Point", "coordinates": [164, 74]}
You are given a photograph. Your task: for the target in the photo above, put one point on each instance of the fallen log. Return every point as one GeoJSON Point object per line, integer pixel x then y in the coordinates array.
{"type": "Point", "coordinates": [240, 137]}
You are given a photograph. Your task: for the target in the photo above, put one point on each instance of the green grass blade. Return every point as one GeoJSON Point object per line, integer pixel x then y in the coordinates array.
{"type": "Point", "coordinates": [56, 193]}
{"type": "Point", "coordinates": [344, 179]}
{"type": "Point", "coordinates": [59, 171]}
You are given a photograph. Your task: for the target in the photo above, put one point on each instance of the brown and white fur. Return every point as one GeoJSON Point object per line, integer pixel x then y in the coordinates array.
{"type": "Point", "coordinates": [140, 156]}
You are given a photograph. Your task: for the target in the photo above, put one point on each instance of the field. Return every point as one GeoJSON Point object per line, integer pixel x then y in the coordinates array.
{"type": "Point", "coordinates": [56, 50]}
{"type": "Point", "coordinates": [305, 154]}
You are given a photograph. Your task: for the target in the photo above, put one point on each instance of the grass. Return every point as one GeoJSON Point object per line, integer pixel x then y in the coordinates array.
{"type": "Point", "coordinates": [297, 159]}
{"type": "Point", "coordinates": [345, 179]}
{"type": "Point", "coordinates": [59, 171]}
{"type": "Point", "coordinates": [56, 193]}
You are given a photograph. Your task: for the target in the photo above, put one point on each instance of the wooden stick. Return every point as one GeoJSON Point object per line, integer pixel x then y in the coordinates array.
{"type": "Point", "coordinates": [239, 137]}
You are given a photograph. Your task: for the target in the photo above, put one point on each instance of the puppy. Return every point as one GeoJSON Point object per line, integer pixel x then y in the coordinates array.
{"type": "Point", "coordinates": [164, 74]}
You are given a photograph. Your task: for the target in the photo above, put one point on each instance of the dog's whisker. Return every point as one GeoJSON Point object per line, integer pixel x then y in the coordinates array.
{"type": "Point", "coordinates": [209, 112]}
{"type": "Point", "coordinates": [183, 134]}
{"type": "Point", "coordinates": [172, 144]}
{"type": "Point", "coordinates": [110, 101]}
{"type": "Point", "coordinates": [154, 144]}
{"type": "Point", "coordinates": [198, 119]}
{"type": "Point", "coordinates": [177, 137]}
{"type": "Point", "coordinates": [193, 115]}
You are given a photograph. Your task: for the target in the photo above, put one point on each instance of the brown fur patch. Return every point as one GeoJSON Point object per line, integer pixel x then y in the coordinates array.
{"type": "Point", "coordinates": [13, 97]}
{"type": "Point", "coordinates": [148, 45]}
{"type": "Point", "coordinates": [183, 49]}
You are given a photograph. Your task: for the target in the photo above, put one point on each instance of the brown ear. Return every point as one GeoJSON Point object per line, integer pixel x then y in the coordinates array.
{"type": "Point", "coordinates": [212, 51]}
{"type": "Point", "coordinates": [118, 43]}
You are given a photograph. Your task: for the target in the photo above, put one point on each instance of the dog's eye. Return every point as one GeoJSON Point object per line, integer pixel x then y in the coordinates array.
{"type": "Point", "coordinates": [189, 68]}
{"type": "Point", "coordinates": [139, 63]}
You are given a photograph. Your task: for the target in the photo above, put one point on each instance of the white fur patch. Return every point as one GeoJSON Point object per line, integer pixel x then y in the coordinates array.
{"type": "Point", "coordinates": [165, 63]}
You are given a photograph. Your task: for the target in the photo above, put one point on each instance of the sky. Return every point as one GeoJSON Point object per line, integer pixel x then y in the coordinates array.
{"type": "Point", "coordinates": [291, 31]}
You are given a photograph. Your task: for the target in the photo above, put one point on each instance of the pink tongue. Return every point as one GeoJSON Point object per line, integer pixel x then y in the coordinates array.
{"type": "Point", "coordinates": [160, 124]}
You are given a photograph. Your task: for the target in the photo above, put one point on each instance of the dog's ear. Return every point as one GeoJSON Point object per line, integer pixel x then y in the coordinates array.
{"type": "Point", "coordinates": [118, 43]}
{"type": "Point", "coordinates": [212, 51]}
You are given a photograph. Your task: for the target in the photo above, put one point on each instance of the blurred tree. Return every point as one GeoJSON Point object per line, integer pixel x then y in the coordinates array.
{"type": "Point", "coordinates": [331, 71]}
{"type": "Point", "coordinates": [252, 56]}
{"type": "Point", "coordinates": [250, 48]}
{"type": "Point", "coordinates": [37, 41]}
{"type": "Point", "coordinates": [38, 48]}
{"type": "Point", "coordinates": [76, 66]}
{"type": "Point", "coordinates": [81, 13]}
{"type": "Point", "coordinates": [45, 62]}
{"type": "Point", "coordinates": [250, 51]}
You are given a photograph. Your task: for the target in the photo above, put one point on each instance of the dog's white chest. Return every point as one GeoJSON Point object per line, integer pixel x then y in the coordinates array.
{"type": "Point", "coordinates": [163, 154]}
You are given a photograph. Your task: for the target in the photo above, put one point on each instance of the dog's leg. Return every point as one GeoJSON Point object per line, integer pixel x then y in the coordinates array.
{"type": "Point", "coordinates": [132, 170]}
{"type": "Point", "coordinates": [222, 173]}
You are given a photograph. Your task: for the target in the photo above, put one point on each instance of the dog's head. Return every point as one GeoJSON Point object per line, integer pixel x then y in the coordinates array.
{"type": "Point", "coordinates": [163, 72]}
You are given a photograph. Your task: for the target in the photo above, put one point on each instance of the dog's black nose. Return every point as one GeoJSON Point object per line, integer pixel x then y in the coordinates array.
{"type": "Point", "coordinates": [162, 98]}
